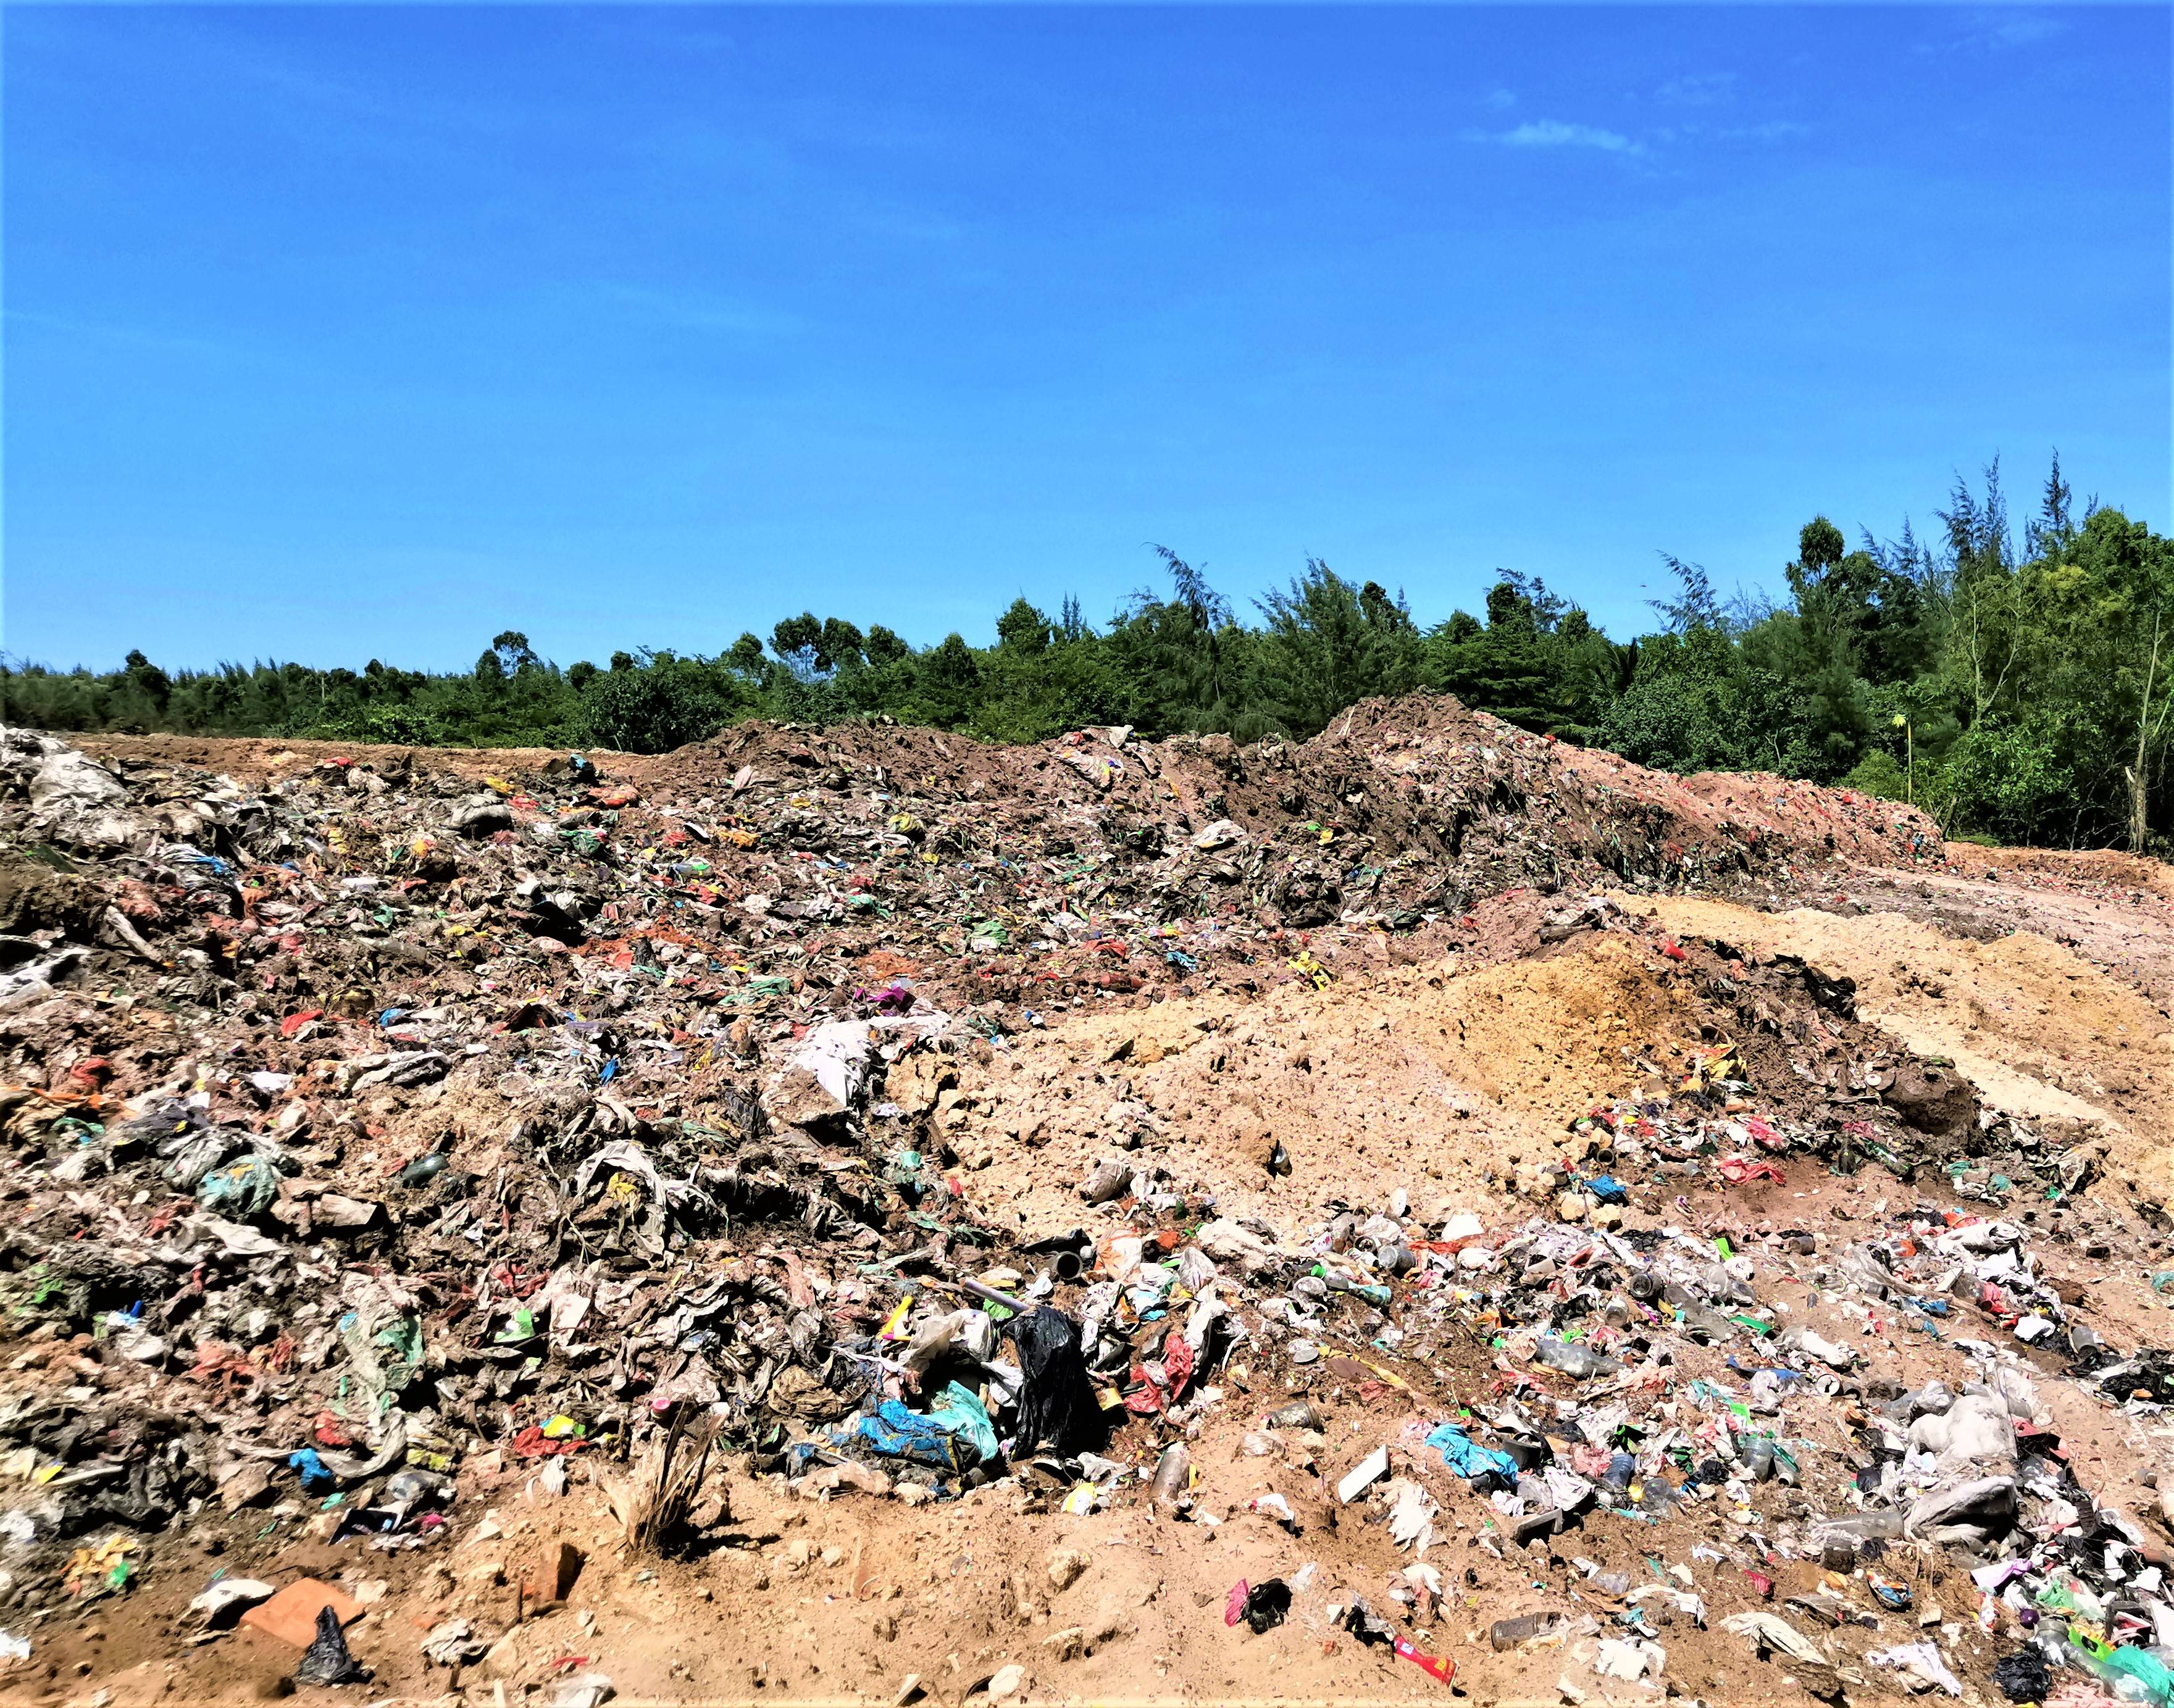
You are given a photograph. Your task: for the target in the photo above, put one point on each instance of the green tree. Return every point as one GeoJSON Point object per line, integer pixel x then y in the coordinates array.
{"type": "Point", "coordinates": [653, 709]}
{"type": "Point", "coordinates": [1329, 645]}
{"type": "Point", "coordinates": [1023, 628]}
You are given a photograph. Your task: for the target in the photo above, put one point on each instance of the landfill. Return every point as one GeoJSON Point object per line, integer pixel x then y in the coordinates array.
{"type": "Point", "coordinates": [1426, 1212]}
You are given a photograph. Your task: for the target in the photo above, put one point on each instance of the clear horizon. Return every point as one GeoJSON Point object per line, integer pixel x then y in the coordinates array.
{"type": "Point", "coordinates": [342, 332]}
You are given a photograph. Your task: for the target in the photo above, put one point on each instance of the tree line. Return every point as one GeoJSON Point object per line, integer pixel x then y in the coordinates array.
{"type": "Point", "coordinates": [2018, 691]}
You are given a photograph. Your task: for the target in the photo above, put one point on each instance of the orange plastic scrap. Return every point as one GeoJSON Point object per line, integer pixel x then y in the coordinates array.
{"type": "Point", "coordinates": [94, 1100]}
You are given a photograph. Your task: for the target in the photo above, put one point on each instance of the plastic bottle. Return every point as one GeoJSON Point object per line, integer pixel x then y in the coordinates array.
{"type": "Point", "coordinates": [1372, 1293]}
{"type": "Point", "coordinates": [1573, 1360]}
{"type": "Point", "coordinates": [1168, 1488]}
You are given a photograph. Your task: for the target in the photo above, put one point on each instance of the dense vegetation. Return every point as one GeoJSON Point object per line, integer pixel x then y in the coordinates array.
{"type": "Point", "coordinates": [2021, 694]}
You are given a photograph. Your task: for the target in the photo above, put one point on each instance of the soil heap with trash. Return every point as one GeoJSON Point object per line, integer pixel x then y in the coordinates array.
{"type": "Point", "coordinates": [854, 1212]}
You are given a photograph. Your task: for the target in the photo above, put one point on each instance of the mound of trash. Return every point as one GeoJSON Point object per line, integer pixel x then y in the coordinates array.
{"type": "Point", "coordinates": [842, 1121]}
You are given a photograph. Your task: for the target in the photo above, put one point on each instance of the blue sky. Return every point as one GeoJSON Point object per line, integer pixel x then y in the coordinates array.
{"type": "Point", "coordinates": [342, 332]}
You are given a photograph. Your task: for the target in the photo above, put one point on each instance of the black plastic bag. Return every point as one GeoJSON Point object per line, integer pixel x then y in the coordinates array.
{"type": "Point", "coordinates": [1056, 1401]}
{"type": "Point", "coordinates": [2022, 1676]}
{"type": "Point", "coordinates": [1366, 1624]}
{"type": "Point", "coordinates": [1266, 1605]}
{"type": "Point", "coordinates": [327, 1661]}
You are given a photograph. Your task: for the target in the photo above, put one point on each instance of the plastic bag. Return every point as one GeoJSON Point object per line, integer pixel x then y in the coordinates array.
{"type": "Point", "coordinates": [243, 1188]}
{"type": "Point", "coordinates": [1262, 1605]}
{"type": "Point", "coordinates": [1467, 1457]}
{"type": "Point", "coordinates": [1057, 1406]}
{"type": "Point", "coordinates": [963, 1413]}
{"type": "Point", "coordinates": [899, 1432]}
{"type": "Point", "coordinates": [327, 1660]}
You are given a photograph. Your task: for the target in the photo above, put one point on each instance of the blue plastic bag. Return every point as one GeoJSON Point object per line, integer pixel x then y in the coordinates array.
{"type": "Point", "coordinates": [1467, 1457]}
{"type": "Point", "coordinates": [315, 1476]}
{"type": "Point", "coordinates": [898, 1432]}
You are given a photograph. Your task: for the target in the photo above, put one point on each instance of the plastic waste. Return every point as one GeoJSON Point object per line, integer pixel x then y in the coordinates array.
{"type": "Point", "coordinates": [1438, 1665]}
{"type": "Point", "coordinates": [2023, 1676]}
{"type": "Point", "coordinates": [963, 1413]}
{"type": "Point", "coordinates": [583, 1690]}
{"type": "Point", "coordinates": [327, 1660]}
{"type": "Point", "coordinates": [316, 1477]}
{"type": "Point", "coordinates": [226, 1601]}
{"type": "Point", "coordinates": [1168, 1486]}
{"type": "Point", "coordinates": [1504, 1634]}
{"type": "Point", "coordinates": [969, 1333]}
{"type": "Point", "coordinates": [1467, 1457]}
{"type": "Point", "coordinates": [1262, 1606]}
{"type": "Point", "coordinates": [1573, 1360]}
{"type": "Point", "coordinates": [897, 1431]}
{"type": "Point", "coordinates": [243, 1188]}
{"type": "Point", "coordinates": [1056, 1402]}
{"type": "Point", "coordinates": [1920, 1663]}
{"type": "Point", "coordinates": [2133, 1675]}
{"type": "Point", "coordinates": [1363, 1475]}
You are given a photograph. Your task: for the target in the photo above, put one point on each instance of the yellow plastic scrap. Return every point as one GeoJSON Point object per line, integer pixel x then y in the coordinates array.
{"type": "Point", "coordinates": [894, 1327]}
{"type": "Point", "coordinates": [1710, 1067]}
{"type": "Point", "coordinates": [498, 784]}
{"type": "Point", "coordinates": [106, 1566]}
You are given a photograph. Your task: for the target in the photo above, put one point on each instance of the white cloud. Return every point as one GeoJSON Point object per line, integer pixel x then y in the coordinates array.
{"type": "Point", "coordinates": [1990, 32]}
{"type": "Point", "coordinates": [1772, 131]}
{"type": "Point", "coordinates": [1554, 133]}
{"type": "Point", "coordinates": [1701, 89]}
{"type": "Point", "coordinates": [1502, 98]}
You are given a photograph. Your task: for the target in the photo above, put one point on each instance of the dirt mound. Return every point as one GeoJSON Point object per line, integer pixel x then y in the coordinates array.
{"type": "Point", "coordinates": [1400, 809]}
{"type": "Point", "coordinates": [2041, 1033]}
{"type": "Point", "coordinates": [35, 896]}
{"type": "Point", "coordinates": [1418, 800]}
{"type": "Point", "coordinates": [1421, 1078]}
{"type": "Point", "coordinates": [2085, 870]}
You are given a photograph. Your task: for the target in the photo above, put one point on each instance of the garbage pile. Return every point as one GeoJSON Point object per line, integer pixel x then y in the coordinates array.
{"type": "Point", "coordinates": [1672, 1424]}
{"type": "Point", "coordinates": [378, 1137]}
